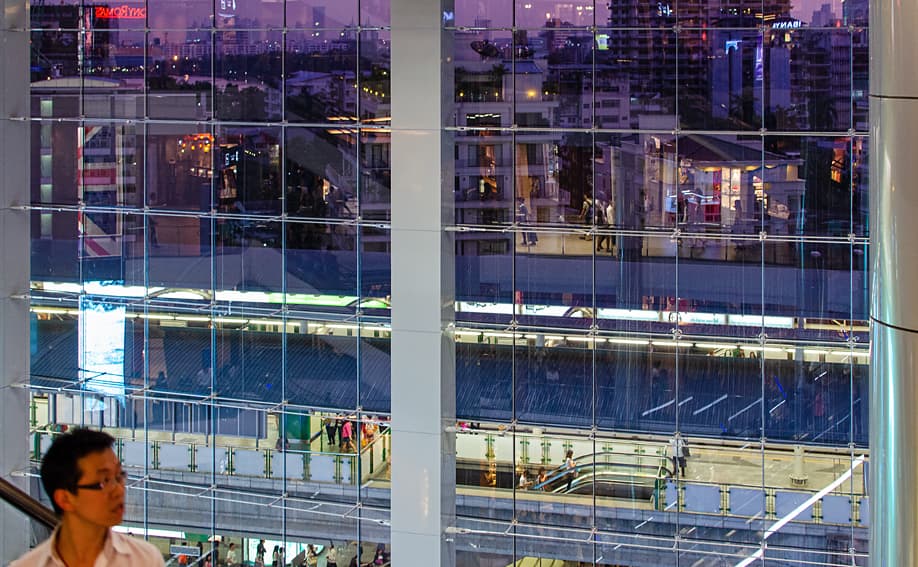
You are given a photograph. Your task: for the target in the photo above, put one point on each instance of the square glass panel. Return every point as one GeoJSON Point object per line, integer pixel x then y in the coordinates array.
{"type": "Point", "coordinates": [113, 71]}
{"type": "Point", "coordinates": [636, 67]}
{"type": "Point", "coordinates": [248, 171]}
{"type": "Point", "coordinates": [320, 76]}
{"type": "Point", "coordinates": [322, 365]}
{"type": "Point", "coordinates": [320, 259]}
{"type": "Point", "coordinates": [181, 257]}
{"type": "Point", "coordinates": [807, 79]}
{"type": "Point", "coordinates": [179, 81]}
{"type": "Point", "coordinates": [179, 167]}
{"type": "Point", "coordinates": [248, 85]}
{"type": "Point", "coordinates": [321, 173]}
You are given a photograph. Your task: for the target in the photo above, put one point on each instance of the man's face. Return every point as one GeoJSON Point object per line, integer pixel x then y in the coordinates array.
{"type": "Point", "coordinates": [103, 508]}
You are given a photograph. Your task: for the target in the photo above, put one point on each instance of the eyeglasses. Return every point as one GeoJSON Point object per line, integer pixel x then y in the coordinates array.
{"type": "Point", "coordinates": [107, 483]}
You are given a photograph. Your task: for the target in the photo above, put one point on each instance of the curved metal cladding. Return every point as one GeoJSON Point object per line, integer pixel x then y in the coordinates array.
{"type": "Point", "coordinates": [894, 308]}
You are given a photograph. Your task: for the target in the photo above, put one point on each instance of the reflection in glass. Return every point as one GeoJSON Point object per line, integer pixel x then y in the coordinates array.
{"type": "Point", "coordinates": [321, 173]}
{"type": "Point", "coordinates": [247, 68]}
{"type": "Point", "coordinates": [179, 81]}
{"type": "Point", "coordinates": [112, 72]}
{"type": "Point", "coordinates": [248, 255]}
{"type": "Point", "coordinates": [179, 167]}
{"type": "Point", "coordinates": [320, 258]}
{"type": "Point", "coordinates": [180, 252]}
{"type": "Point", "coordinates": [248, 171]}
{"type": "Point", "coordinates": [808, 81]}
{"type": "Point", "coordinates": [320, 84]}
{"type": "Point", "coordinates": [375, 79]}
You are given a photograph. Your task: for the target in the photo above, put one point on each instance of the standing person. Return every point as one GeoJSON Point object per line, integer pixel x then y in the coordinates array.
{"type": "Point", "coordinates": [232, 560]}
{"type": "Point", "coordinates": [586, 215]}
{"type": "Point", "coordinates": [678, 451]}
{"type": "Point", "coordinates": [312, 558]}
{"type": "Point", "coordinates": [571, 466]}
{"type": "Point", "coordinates": [608, 217]}
{"type": "Point", "coordinates": [83, 478]}
{"type": "Point", "coordinates": [331, 556]}
{"type": "Point", "coordinates": [346, 431]}
{"type": "Point", "coordinates": [602, 221]}
{"type": "Point", "coordinates": [260, 552]}
{"type": "Point", "coordinates": [522, 216]}
{"type": "Point", "coordinates": [542, 478]}
{"type": "Point", "coordinates": [524, 483]}
{"type": "Point", "coordinates": [331, 429]}
{"type": "Point", "coordinates": [275, 556]}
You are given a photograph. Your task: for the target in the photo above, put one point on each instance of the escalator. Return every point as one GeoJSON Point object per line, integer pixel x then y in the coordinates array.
{"type": "Point", "coordinates": [20, 509]}
{"type": "Point", "coordinates": [606, 473]}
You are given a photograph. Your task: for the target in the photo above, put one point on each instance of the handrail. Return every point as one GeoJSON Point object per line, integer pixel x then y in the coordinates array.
{"type": "Point", "coordinates": [29, 506]}
{"type": "Point", "coordinates": [561, 471]}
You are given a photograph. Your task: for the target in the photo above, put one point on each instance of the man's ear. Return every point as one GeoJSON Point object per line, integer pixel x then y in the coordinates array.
{"type": "Point", "coordinates": [64, 499]}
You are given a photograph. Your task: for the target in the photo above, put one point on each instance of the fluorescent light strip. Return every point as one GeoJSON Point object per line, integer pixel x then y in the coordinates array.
{"type": "Point", "coordinates": [671, 343]}
{"type": "Point", "coordinates": [763, 349]}
{"type": "Point", "coordinates": [500, 335]}
{"type": "Point", "coordinates": [629, 341]}
{"type": "Point", "coordinates": [715, 346]}
{"type": "Point", "coordinates": [231, 321]}
{"type": "Point", "coordinates": [51, 310]}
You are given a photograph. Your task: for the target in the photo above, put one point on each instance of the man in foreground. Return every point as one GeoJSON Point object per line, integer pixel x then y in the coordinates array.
{"type": "Point", "coordinates": [85, 482]}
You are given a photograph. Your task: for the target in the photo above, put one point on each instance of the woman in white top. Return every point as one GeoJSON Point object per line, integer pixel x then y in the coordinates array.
{"type": "Point", "coordinates": [231, 557]}
{"type": "Point", "coordinates": [571, 465]}
{"type": "Point", "coordinates": [525, 483]}
{"type": "Point", "coordinates": [331, 556]}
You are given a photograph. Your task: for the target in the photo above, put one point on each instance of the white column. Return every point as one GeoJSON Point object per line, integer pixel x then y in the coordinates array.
{"type": "Point", "coordinates": [423, 358]}
{"type": "Point", "coordinates": [14, 262]}
{"type": "Point", "coordinates": [894, 271]}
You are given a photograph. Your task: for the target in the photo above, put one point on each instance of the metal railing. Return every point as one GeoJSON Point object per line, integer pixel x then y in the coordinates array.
{"type": "Point", "coordinates": [27, 505]}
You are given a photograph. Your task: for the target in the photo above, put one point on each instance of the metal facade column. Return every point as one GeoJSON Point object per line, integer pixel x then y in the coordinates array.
{"type": "Point", "coordinates": [14, 262]}
{"type": "Point", "coordinates": [894, 274]}
{"type": "Point", "coordinates": [423, 281]}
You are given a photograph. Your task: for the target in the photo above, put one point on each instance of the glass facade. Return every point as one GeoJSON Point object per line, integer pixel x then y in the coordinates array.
{"type": "Point", "coordinates": [661, 227]}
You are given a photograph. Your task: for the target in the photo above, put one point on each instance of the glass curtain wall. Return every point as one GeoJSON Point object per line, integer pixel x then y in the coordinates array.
{"type": "Point", "coordinates": [210, 275]}
{"type": "Point", "coordinates": [661, 225]}
{"type": "Point", "coordinates": [661, 229]}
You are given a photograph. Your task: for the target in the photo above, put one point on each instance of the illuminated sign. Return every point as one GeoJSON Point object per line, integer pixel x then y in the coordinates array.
{"type": "Point", "coordinates": [123, 12]}
{"type": "Point", "coordinates": [786, 25]}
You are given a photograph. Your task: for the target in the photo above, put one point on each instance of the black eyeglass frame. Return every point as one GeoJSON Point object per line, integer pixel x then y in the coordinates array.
{"type": "Point", "coordinates": [120, 478]}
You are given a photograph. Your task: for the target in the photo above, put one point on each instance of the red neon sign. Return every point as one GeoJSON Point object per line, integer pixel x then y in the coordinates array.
{"type": "Point", "coordinates": [123, 12]}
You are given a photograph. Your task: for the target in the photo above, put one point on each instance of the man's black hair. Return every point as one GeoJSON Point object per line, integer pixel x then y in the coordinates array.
{"type": "Point", "coordinates": [59, 469]}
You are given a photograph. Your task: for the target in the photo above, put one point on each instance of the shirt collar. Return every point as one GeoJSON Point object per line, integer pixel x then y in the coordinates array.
{"type": "Point", "coordinates": [112, 544]}
{"type": "Point", "coordinates": [117, 542]}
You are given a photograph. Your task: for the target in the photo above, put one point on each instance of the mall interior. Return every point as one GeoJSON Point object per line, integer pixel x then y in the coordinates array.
{"type": "Point", "coordinates": [471, 283]}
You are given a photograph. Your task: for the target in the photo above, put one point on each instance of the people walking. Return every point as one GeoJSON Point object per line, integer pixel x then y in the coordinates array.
{"type": "Point", "coordinates": [678, 451]}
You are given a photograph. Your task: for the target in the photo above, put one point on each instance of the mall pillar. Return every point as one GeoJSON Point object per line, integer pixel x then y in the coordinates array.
{"type": "Point", "coordinates": [14, 264]}
{"type": "Point", "coordinates": [423, 358]}
{"type": "Point", "coordinates": [894, 275]}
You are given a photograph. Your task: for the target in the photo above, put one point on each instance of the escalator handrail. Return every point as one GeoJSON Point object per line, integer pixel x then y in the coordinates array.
{"type": "Point", "coordinates": [561, 471]}
{"type": "Point", "coordinates": [29, 506]}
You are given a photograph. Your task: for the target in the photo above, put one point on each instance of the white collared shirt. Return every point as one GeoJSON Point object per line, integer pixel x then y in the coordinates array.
{"type": "Point", "coordinates": [119, 550]}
